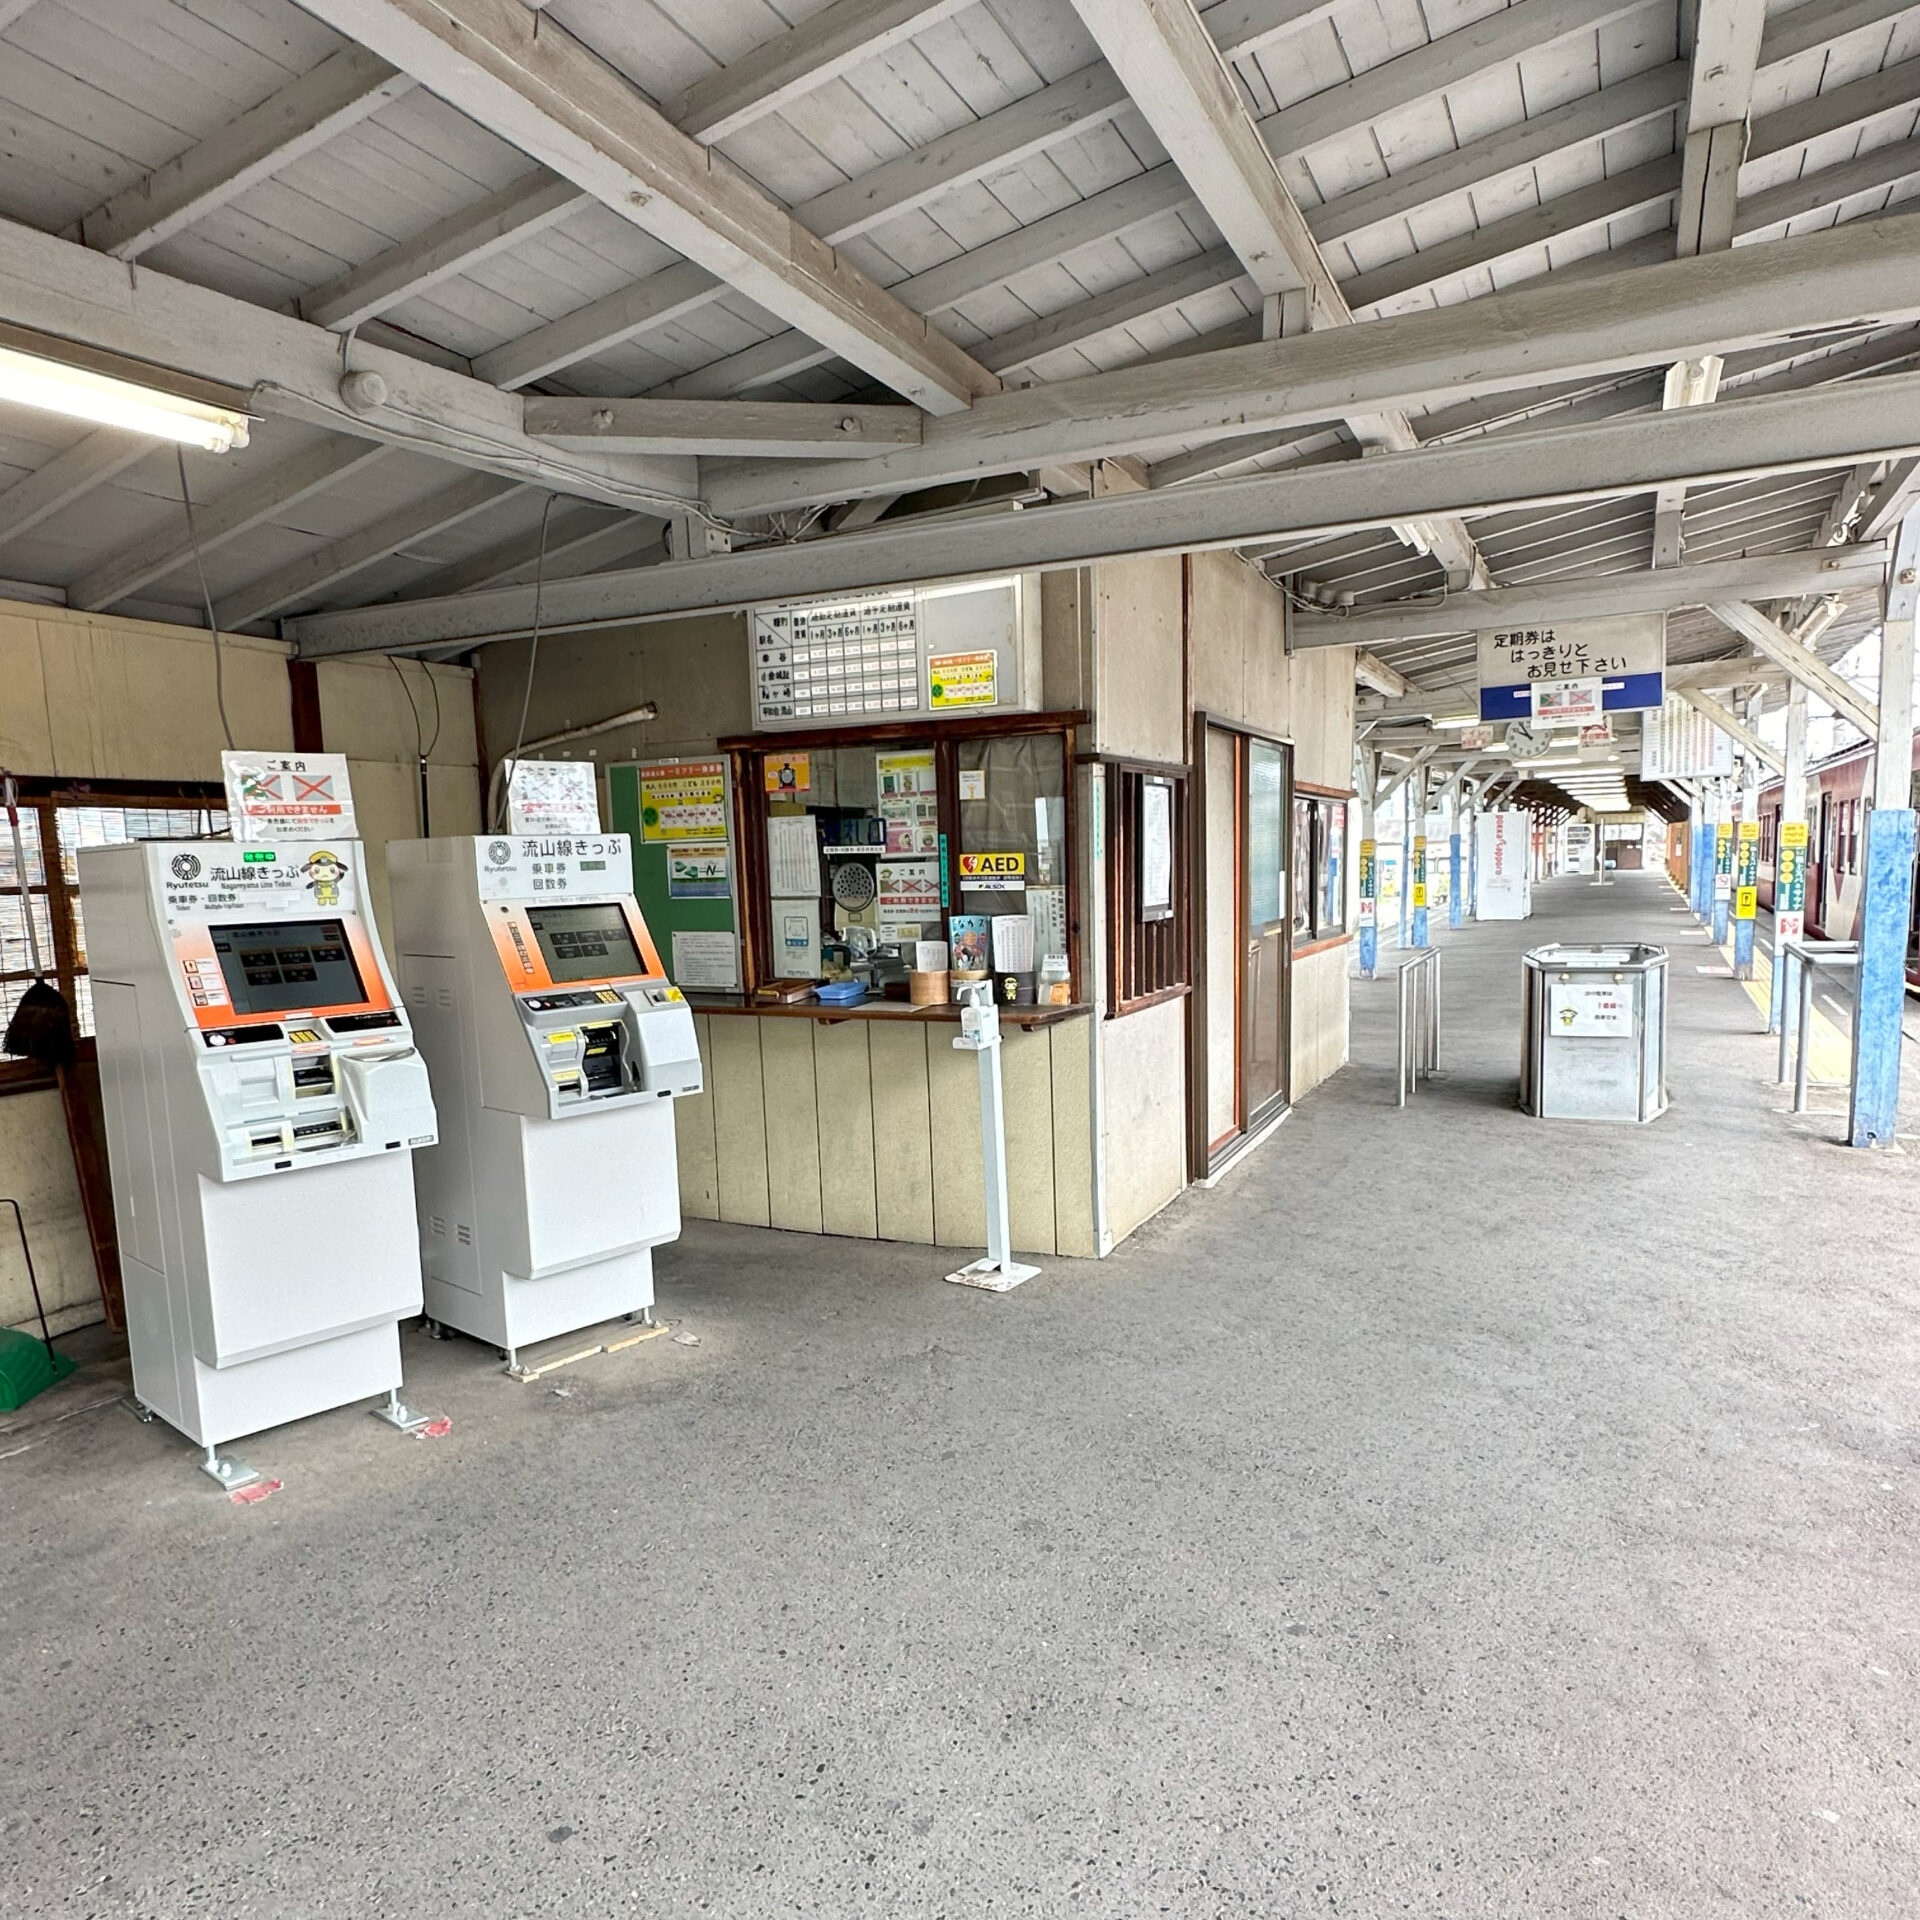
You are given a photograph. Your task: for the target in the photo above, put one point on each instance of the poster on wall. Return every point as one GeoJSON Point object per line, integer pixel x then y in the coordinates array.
{"type": "Point", "coordinates": [789, 775]}
{"type": "Point", "coordinates": [705, 959]}
{"type": "Point", "coordinates": [684, 800]}
{"type": "Point", "coordinates": [961, 680]}
{"type": "Point", "coordinates": [697, 872]}
{"type": "Point", "coordinates": [909, 802]}
{"type": "Point", "coordinates": [553, 796]}
{"type": "Point", "coordinates": [290, 796]}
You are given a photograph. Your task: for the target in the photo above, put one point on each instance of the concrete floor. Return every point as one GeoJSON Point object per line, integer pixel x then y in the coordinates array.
{"type": "Point", "coordinates": [1448, 1515]}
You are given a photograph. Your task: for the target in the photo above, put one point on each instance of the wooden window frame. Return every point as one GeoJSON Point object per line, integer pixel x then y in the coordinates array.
{"type": "Point", "coordinates": [744, 752]}
{"type": "Point", "coordinates": [1321, 800]}
{"type": "Point", "coordinates": [1149, 961]}
{"type": "Point", "coordinates": [44, 799]}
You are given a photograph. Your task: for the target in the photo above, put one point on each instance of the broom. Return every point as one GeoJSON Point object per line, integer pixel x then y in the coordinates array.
{"type": "Point", "coordinates": [41, 1028]}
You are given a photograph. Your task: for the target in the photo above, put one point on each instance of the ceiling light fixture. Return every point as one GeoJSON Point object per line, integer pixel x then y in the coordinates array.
{"type": "Point", "coordinates": [31, 380]}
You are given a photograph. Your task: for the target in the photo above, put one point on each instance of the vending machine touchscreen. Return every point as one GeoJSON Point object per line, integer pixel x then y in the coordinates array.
{"type": "Point", "coordinates": [557, 1046]}
{"type": "Point", "coordinates": [264, 1099]}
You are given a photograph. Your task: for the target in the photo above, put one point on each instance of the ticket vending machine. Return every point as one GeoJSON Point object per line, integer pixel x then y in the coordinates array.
{"type": "Point", "coordinates": [263, 1100]}
{"type": "Point", "coordinates": [557, 1046]}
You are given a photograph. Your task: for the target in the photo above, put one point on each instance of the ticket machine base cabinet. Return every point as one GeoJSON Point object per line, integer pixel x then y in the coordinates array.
{"type": "Point", "coordinates": [263, 1186]}
{"type": "Point", "coordinates": [557, 1047]}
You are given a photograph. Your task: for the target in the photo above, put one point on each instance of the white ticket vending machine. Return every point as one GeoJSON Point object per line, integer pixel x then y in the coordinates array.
{"type": "Point", "coordinates": [557, 1045]}
{"type": "Point", "coordinates": [263, 1100]}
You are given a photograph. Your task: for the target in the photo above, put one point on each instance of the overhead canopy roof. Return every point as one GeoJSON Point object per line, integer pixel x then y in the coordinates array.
{"type": "Point", "coordinates": [809, 246]}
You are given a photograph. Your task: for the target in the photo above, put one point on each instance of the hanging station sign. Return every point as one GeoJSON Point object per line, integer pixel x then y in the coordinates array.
{"type": "Point", "coordinates": [1573, 670]}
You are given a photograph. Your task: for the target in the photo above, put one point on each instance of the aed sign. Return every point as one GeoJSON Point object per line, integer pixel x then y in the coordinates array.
{"type": "Point", "coordinates": [993, 872]}
{"type": "Point", "coordinates": [1626, 655]}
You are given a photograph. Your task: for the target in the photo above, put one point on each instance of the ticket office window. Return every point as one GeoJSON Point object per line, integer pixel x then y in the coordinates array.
{"type": "Point", "coordinates": [891, 837]}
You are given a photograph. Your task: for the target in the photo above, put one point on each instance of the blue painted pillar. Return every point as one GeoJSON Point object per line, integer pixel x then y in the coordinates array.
{"type": "Point", "coordinates": [1880, 987]}
{"type": "Point", "coordinates": [1420, 890]}
{"type": "Point", "coordinates": [1456, 905]}
{"type": "Point", "coordinates": [1700, 864]}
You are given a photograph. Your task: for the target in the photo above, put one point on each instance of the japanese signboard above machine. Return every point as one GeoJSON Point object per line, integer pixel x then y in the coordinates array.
{"type": "Point", "coordinates": [1573, 670]}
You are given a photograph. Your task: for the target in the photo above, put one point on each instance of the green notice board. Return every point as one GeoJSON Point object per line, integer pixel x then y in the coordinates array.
{"type": "Point", "coordinates": [685, 868]}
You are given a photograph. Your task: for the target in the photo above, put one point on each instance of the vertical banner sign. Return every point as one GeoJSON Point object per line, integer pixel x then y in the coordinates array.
{"type": "Point", "coordinates": [1722, 859]}
{"type": "Point", "coordinates": [1790, 883]}
{"type": "Point", "coordinates": [1746, 888]}
{"type": "Point", "coordinates": [1369, 891]}
{"type": "Point", "coordinates": [1420, 870]}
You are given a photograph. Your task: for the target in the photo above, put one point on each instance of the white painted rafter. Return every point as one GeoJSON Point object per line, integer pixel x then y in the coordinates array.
{"type": "Point", "coordinates": [793, 64]}
{"type": "Point", "coordinates": [454, 245]}
{"type": "Point", "coordinates": [1861, 274]}
{"type": "Point", "coordinates": [1765, 576]}
{"type": "Point", "coordinates": [1734, 728]}
{"type": "Point", "coordinates": [742, 428]}
{"type": "Point", "coordinates": [579, 539]}
{"type": "Point", "coordinates": [526, 79]}
{"type": "Point", "coordinates": [1767, 636]}
{"type": "Point", "coordinates": [314, 574]}
{"type": "Point", "coordinates": [1176, 76]}
{"type": "Point", "coordinates": [339, 93]}
{"type": "Point", "coordinates": [69, 476]}
{"type": "Point", "coordinates": [1741, 439]}
{"type": "Point", "coordinates": [237, 511]}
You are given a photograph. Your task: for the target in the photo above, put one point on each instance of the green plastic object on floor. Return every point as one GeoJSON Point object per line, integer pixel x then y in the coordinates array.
{"type": "Point", "coordinates": [27, 1368]}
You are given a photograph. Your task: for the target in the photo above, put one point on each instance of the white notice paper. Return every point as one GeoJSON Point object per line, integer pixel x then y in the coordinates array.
{"type": "Point", "coordinates": [710, 960]}
{"type": "Point", "coordinates": [553, 796]}
{"type": "Point", "coordinates": [793, 855]}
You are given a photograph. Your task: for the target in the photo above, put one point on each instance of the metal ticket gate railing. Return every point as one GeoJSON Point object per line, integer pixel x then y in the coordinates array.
{"type": "Point", "coordinates": [1417, 1043]}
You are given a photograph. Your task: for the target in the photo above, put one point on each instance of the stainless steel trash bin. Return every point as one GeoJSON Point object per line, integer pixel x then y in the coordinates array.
{"type": "Point", "coordinates": [1594, 1033]}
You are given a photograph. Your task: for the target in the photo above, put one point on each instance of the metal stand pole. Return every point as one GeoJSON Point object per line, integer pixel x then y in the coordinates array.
{"type": "Point", "coordinates": [980, 1034]}
{"type": "Point", "coordinates": [1800, 1053]}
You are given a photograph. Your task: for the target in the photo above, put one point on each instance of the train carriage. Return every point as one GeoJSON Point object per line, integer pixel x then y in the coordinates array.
{"type": "Point", "coordinates": [1836, 846]}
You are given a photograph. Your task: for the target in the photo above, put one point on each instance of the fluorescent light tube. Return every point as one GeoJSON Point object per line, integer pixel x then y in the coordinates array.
{"type": "Point", "coordinates": [31, 381]}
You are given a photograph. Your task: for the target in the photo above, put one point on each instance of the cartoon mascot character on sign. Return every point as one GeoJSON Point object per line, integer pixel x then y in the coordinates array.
{"type": "Point", "coordinates": [324, 871]}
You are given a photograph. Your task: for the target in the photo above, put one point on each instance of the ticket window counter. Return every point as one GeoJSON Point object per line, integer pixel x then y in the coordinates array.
{"type": "Point", "coordinates": [862, 852]}
{"type": "Point", "coordinates": [836, 1102]}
